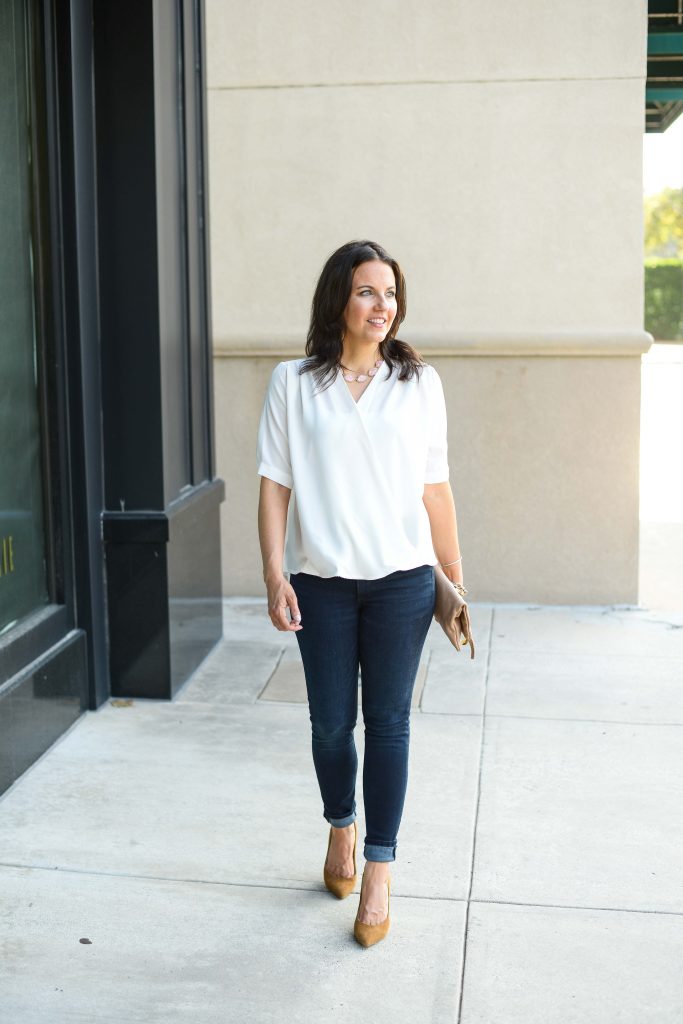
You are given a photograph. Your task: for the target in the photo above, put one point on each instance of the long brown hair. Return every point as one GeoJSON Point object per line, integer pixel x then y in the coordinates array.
{"type": "Point", "coordinates": [324, 340]}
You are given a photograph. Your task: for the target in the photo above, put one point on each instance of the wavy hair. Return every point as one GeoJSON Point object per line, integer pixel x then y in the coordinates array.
{"type": "Point", "coordinates": [325, 333]}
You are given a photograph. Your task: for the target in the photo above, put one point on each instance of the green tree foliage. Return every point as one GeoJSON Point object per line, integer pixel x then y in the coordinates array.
{"type": "Point", "coordinates": [664, 223]}
{"type": "Point", "coordinates": [664, 299]}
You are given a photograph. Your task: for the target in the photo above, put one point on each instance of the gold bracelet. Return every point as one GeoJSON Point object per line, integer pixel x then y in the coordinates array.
{"type": "Point", "coordinates": [445, 564]}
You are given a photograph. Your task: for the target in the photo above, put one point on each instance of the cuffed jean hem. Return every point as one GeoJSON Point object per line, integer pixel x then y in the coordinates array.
{"type": "Point", "coordinates": [384, 853]}
{"type": "Point", "coordinates": [341, 822]}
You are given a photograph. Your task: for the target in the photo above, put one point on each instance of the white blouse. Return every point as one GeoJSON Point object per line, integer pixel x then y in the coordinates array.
{"type": "Point", "coordinates": [357, 470]}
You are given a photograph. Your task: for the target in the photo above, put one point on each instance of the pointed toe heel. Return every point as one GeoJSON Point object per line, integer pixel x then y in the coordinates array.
{"type": "Point", "coordinates": [341, 887]}
{"type": "Point", "coordinates": [369, 934]}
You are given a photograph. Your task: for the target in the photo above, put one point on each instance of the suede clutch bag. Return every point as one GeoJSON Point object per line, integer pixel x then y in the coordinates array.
{"type": "Point", "coordinates": [451, 612]}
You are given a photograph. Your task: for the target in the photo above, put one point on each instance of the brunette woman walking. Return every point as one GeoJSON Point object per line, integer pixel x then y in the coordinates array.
{"type": "Point", "coordinates": [356, 507]}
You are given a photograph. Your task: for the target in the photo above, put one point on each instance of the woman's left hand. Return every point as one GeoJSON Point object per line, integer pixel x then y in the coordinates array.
{"type": "Point", "coordinates": [281, 596]}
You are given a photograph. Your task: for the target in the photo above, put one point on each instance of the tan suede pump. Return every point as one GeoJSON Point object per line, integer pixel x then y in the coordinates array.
{"type": "Point", "coordinates": [369, 934]}
{"type": "Point", "coordinates": [341, 887]}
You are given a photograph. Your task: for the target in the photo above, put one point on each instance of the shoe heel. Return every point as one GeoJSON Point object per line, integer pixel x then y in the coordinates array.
{"type": "Point", "coordinates": [369, 934]}
{"type": "Point", "coordinates": [341, 887]}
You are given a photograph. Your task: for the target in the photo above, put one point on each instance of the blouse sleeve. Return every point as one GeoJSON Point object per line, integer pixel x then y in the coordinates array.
{"type": "Point", "coordinates": [272, 446]}
{"type": "Point", "coordinates": [436, 470]}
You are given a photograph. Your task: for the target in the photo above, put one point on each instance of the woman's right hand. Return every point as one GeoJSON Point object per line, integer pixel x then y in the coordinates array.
{"type": "Point", "coordinates": [281, 596]}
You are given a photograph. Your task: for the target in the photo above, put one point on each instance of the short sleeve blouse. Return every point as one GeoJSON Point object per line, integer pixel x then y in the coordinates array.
{"type": "Point", "coordinates": [357, 470]}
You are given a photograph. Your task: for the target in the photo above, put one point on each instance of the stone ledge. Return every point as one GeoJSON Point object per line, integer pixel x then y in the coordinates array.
{"type": "Point", "coordinates": [290, 345]}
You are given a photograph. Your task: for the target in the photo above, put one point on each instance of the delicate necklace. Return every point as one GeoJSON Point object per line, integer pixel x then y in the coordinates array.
{"type": "Point", "coordinates": [351, 375]}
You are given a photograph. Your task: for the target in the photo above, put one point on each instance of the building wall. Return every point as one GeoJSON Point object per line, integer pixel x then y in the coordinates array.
{"type": "Point", "coordinates": [496, 151]}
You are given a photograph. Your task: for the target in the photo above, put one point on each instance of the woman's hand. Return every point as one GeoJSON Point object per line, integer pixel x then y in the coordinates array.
{"type": "Point", "coordinates": [454, 573]}
{"type": "Point", "coordinates": [281, 596]}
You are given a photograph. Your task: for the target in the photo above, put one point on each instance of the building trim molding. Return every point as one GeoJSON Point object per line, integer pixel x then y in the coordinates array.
{"type": "Point", "coordinates": [457, 343]}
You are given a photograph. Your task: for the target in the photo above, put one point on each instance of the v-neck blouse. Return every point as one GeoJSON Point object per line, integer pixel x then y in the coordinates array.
{"type": "Point", "coordinates": [356, 469]}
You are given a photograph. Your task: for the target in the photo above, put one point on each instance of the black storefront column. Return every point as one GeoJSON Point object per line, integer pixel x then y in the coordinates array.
{"type": "Point", "coordinates": [161, 519]}
{"type": "Point", "coordinates": [109, 508]}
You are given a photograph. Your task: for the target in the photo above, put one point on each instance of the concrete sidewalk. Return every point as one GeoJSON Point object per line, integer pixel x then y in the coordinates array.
{"type": "Point", "coordinates": [539, 876]}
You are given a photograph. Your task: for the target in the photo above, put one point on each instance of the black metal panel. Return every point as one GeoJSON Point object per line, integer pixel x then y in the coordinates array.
{"type": "Point", "coordinates": [76, 259]}
{"type": "Point", "coordinates": [194, 580]}
{"type": "Point", "coordinates": [51, 383]}
{"type": "Point", "coordinates": [35, 633]}
{"type": "Point", "coordinates": [200, 362]}
{"type": "Point", "coordinates": [137, 584]}
{"type": "Point", "coordinates": [128, 264]}
{"type": "Point", "coordinates": [154, 264]}
{"type": "Point", "coordinates": [164, 590]}
{"type": "Point", "coordinates": [172, 249]}
{"type": "Point", "coordinates": [134, 527]}
{"type": "Point", "coordinates": [39, 704]}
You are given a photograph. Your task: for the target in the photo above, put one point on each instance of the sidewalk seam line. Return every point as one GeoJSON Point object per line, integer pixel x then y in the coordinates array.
{"type": "Point", "coordinates": [267, 682]}
{"type": "Point", "coordinates": [474, 826]}
{"type": "Point", "coordinates": [572, 906]}
{"type": "Point", "coordinates": [549, 718]}
{"type": "Point", "coordinates": [297, 888]}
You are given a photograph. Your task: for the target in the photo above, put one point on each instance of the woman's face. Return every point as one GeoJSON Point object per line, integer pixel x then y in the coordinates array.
{"type": "Point", "coordinates": [371, 308]}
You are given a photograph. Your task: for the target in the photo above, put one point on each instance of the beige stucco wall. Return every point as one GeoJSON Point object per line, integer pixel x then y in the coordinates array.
{"type": "Point", "coordinates": [496, 151]}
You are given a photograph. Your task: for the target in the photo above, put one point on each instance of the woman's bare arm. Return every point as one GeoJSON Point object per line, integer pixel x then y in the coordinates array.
{"type": "Point", "coordinates": [438, 500]}
{"type": "Point", "coordinates": [272, 522]}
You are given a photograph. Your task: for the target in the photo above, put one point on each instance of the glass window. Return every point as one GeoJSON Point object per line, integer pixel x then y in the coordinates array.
{"type": "Point", "coordinates": [23, 585]}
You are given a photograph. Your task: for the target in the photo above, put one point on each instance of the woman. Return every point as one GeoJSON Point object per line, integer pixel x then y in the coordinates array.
{"type": "Point", "coordinates": [355, 505]}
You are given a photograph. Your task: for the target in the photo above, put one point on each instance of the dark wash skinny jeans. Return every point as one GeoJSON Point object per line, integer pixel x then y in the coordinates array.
{"type": "Point", "coordinates": [380, 626]}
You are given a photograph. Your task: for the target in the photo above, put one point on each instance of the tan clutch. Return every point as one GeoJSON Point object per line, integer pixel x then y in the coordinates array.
{"type": "Point", "coordinates": [451, 612]}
